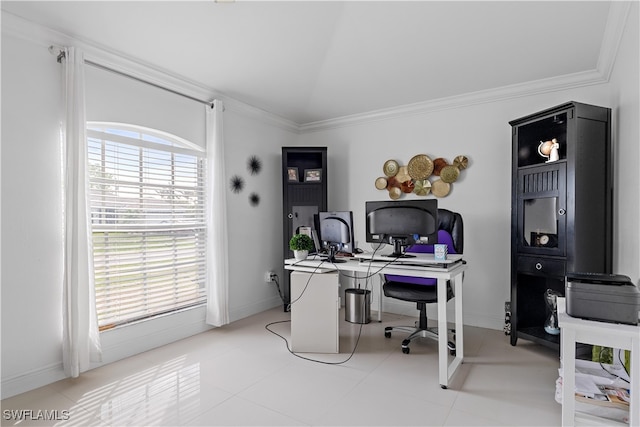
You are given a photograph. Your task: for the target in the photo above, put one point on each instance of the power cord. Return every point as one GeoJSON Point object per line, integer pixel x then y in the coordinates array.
{"type": "Point", "coordinates": [275, 279]}
{"type": "Point", "coordinates": [368, 275]}
{"type": "Point", "coordinates": [611, 373]}
{"type": "Point", "coordinates": [324, 362]}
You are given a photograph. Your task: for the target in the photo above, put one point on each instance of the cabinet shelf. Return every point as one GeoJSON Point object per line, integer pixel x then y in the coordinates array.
{"type": "Point", "coordinates": [530, 134]}
{"type": "Point", "coordinates": [537, 165]}
{"type": "Point", "coordinates": [538, 335]}
{"type": "Point", "coordinates": [304, 183]}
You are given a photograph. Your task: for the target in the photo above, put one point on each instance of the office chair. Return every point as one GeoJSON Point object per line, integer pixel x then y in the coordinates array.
{"type": "Point", "coordinates": [423, 290]}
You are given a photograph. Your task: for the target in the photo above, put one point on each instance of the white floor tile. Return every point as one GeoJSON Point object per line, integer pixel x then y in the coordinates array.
{"type": "Point", "coordinates": [241, 374]}
{"type": "Point", "coordinates": [239, 412]}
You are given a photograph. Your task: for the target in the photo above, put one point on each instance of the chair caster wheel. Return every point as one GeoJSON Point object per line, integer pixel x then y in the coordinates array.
{"type": "Point", "coordinates": [452, 348]}
{"type": "Point", "coordinates": [387, 334]}
{"type": "Point", "coordinates": [405, 350]}
{"type": "Point", "coordinates": [444, 387]}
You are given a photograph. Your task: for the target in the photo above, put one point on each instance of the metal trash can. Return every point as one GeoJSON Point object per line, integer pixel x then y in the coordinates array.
{"type": "Point", "coordinates": [357, 305]}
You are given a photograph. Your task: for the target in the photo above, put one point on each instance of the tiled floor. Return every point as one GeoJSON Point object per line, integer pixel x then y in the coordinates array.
{"type": "Point", "coordinates": [243, 375]}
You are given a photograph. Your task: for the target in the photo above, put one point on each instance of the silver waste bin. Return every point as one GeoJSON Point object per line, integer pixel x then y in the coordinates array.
{"type": "Point", "coordinates": [357, 305]}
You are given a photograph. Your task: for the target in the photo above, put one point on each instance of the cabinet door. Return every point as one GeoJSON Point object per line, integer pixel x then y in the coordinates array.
{"type": "Point", "coordinates": [315, 305]}
{"type": "Point", "coordinates": [542, 208]}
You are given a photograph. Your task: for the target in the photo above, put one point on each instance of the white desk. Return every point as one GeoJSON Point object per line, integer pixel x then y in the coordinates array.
{"type": "Point", "coordinates": [596, 333]}
{"type": "Point", "coordinates": [452, 271]}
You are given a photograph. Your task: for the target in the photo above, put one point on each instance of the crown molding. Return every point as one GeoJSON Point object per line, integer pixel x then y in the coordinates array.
{"type": "Point", "coordinates": [552, 84]}
{"type": "Point", "coordinates": [614, 28]}
{"type": "Point", "coordinates": [102, 55]}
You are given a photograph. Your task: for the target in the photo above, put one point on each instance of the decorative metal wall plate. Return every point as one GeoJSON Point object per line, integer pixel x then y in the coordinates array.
{"type": "Point", "coordinates": [420, 166]}
{"type": "Point", "coordinates": [413, 178]}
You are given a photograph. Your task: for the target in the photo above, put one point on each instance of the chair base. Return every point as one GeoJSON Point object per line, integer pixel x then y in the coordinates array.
{"type": "Point", "coordinates": [418, 332]}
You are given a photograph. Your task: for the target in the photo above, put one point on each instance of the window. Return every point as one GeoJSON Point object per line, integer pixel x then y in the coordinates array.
{"type": "Point", "coordinates": [148, 222]}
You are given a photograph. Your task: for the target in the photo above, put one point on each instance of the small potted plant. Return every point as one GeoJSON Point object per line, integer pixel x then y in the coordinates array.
{"type": "Point", "coordinates": [300, 244]}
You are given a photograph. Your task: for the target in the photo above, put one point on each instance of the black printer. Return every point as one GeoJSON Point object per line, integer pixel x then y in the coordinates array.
{"type": "Point", "coordinates": [603, 297]}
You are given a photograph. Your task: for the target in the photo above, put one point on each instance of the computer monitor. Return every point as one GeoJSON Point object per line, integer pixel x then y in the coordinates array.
{"type": "Point", "coordinates": [402, 223]}
{"type": "Point", "coordinates": [336, 233]}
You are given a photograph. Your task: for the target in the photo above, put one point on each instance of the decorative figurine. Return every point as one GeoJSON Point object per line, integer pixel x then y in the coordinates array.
{"type": "Point", "coordinates": [551, 324]}
{"type": "Point", "coordinates": [549, 150]}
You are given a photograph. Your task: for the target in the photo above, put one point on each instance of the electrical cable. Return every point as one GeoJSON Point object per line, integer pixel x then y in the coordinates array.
{"type": "Point", "coordinates": [277, 282]}
{"type": "Point", "coordinates": [602, 349]}
{"type": "Point", "coordinates": [315, 270]}
{"type": "Point", "coordinates": [366, 288]}
{"type": "Point", "coordinates": [324, 362]}
{"type": "Point", "coordinates": [367, 277]}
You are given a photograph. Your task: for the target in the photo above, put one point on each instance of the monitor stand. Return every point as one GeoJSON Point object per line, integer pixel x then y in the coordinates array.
{"type": "Point", "coordinates": [332, 255]}
{"type": "Point", "coordinates": [397, 250]}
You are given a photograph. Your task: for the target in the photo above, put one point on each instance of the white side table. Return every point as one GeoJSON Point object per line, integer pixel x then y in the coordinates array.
{"type": "Point", "coordinates": [613, 335]}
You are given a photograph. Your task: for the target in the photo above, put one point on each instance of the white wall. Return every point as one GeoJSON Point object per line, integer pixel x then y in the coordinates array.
{"type": "Point", "coordinates": [624, 92]}
{"type": "Point", "coordinates": [31, 212]}
{"type": "Point", "coordinates": [32, 218]}
{"type": "Point", "coordinates": [482, 193]}
{"type": "Point", "coordinates": [255, 232]}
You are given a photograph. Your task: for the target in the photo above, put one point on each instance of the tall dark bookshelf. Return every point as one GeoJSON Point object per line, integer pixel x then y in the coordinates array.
{"type": "Point", "coordinates": [561, 211]}
{"type": "Point", "coordinates": [303, 197]}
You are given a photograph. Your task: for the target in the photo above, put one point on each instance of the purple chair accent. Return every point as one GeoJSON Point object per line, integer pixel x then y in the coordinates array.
{"type": "Point", "coordinates": [443, 238]}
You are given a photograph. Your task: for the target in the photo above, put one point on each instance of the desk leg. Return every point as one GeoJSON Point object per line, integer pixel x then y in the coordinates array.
{"type": "Point", "coordinates": [634, 408]}
{"type": "Point", "coordinates": [459, 319]}
{"type": "Point", "coordinates": [445, 369]}
{"type": "Point", "coordinates": [380, 295]}
{"type": "Point", "coordinates": [443, 366]}
{"type": "Point", "coordinates": [568, 352]}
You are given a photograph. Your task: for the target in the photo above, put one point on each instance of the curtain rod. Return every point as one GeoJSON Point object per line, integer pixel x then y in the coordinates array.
{"type": "Point", "coordinates": [61, 55]}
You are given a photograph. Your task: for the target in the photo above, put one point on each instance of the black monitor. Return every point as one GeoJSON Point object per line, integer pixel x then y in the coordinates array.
{"type": "Point", "coordinates": [336, 233]}
{"type": "Point", "coordinates": [402, 223]}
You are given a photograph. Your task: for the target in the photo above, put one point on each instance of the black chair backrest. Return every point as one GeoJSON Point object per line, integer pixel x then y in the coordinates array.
{"type": "Point", "coordinates": [452, 223]}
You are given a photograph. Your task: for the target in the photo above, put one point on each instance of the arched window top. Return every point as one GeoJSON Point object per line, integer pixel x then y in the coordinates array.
{"type": "Point", "coordinates": [142, 136]}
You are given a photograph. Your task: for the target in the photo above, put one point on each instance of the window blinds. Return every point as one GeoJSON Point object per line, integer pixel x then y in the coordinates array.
{"type": "Point", "coordinates": [148, 222]}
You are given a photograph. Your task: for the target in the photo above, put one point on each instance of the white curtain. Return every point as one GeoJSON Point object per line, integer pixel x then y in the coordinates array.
{"type": "Point", "coordinates": [81, 338]}
{"type": "Point", "coordinates": [217, 239]}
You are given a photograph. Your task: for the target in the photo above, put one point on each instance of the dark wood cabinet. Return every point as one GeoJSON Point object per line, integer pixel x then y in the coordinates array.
{"type": "Point", "coordinates": [561, 212]}
{"type": "Point", "coordinates": [304, 195]}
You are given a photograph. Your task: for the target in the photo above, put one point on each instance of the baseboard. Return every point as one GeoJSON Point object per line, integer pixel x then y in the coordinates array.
{"type": "Point", "coordinates": [125, 342]}
{"type": "Point", "coordinates": [237, 313]}
{"type": "Point", "coordinates": [30, 380]}
{"type": "Point", "coordinates": [120, 343]}
{"type": "Point", "coordinates": [470, 319]}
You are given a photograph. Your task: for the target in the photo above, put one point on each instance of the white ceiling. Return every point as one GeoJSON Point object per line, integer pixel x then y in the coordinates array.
{"type": "Point", "coordinates": [312, 61]}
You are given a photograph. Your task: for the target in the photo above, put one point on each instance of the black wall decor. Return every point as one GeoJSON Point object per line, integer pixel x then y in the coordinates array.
{"type": "Point", "coordinates": [237, 184]}
{"type": "Point", "coordinates": [254, 165]}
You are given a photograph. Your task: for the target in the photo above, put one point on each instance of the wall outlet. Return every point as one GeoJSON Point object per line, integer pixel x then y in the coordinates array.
{"type": "Point", "coordinates": [507, 318]}
{"type": "Point", "coordinates": [269, 277]}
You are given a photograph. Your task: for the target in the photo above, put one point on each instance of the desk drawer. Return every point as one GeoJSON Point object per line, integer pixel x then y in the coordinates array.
{"type": "Point", "coordinates": [541, 266]}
